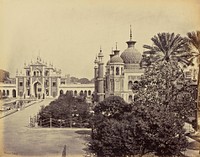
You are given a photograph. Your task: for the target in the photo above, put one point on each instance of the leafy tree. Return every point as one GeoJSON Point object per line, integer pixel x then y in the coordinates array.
{"type": "Point", "coordinates": [157, 129]}
{"type": "Point", "coordinates": [112, 107]}
{"type": "Point", "coordinates": [163, 101]}
{"type": "Point", "coordinates": [149, 126]}
{"type": "Point", "coordinates": [73, 79]}
{"type": "Point", "coordinates": [84, 81]}
{"type": "Point", "coordinates": [194, 45]}
{"type": "Point", "coordinates": [67, 108]}
{"type": "Point", "coordinates": [167, 82]}
{"type": "Point", "coordinates": [163, 70]}
{"type": "Point", "coordinates": [114, 138]}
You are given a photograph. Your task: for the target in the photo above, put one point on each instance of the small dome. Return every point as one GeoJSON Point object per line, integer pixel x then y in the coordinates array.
{"type": "Point", "coordinates": [116, 59]}
{"type": "Point", "coordinates": [131, 56]}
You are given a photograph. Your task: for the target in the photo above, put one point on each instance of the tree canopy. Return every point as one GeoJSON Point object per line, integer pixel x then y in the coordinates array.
{"type": "Point", "coordinates": [67, 108]}
{"type": "Point", "coordinates": [166, 47]}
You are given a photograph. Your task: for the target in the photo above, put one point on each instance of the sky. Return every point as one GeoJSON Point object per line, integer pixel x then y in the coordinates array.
{"type": "Point", "coordinates": [69, 33]}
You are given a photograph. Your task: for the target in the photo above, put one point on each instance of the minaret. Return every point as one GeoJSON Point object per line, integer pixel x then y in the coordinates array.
{"type": "Point", "coordinates": [95, 78]}
{"type": "Point", "coordinates": [100, 79]}
{"type": "Point", "coordinates": [131, 43]}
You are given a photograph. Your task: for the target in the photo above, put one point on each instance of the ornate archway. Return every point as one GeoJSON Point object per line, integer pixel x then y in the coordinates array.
{"type": "Point", "coordinates": [37, 90]}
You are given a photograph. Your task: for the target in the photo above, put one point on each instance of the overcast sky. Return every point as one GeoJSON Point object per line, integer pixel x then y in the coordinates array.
{"type": "Point", "coordinates": [69, 33]}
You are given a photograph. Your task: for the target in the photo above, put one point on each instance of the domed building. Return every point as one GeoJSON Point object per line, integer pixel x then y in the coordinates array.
{"type": "Point", "coordinates": [121, 72]}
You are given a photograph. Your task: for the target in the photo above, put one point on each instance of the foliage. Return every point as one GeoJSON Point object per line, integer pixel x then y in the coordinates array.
{"type": "Point", "coordinates": [148, 126]}
{"type": "Point", "coordinates": [112, 107]}
{"type": "Point", "coordinates": [67, 108]}
{"type": "Point", "coordinates": [164, 72]}
{"type": "Point", "coordinates": [166, 47]}
{"type": "Point", "coordinates": [167, 82]}
{"type": "Point", "coordinates": [81, 80]}
{"type": "Point", "coordinates": [194, 45]}
{"type": "Point", "coordinates": [84, 81]}
{"type": "Point", "coordinates": [159, 129]}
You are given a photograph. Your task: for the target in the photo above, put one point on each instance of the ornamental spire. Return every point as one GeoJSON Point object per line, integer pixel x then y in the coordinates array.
{"type": "Point", "coordinates": [130, 33]}
{"type": "Point", "coordinates": [131, 43]}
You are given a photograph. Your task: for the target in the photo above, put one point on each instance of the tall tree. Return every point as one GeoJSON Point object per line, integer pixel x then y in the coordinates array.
{"type": "Point", "coordinates": [194, 45]}
{"type": "Point", "coordinates": [166, 47]}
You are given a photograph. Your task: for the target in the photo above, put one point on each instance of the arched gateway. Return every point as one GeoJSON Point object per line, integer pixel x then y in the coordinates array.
{"type": "Point", "coordinates": [37, 89]}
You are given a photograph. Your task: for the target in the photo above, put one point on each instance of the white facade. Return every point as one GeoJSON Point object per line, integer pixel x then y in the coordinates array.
{"type": "Point", "coordinates": [39, 80]}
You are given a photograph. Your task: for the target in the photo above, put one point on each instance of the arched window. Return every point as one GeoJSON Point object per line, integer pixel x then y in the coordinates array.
{"type": "Point", "coordinates": [7, 92]}
{"type": "Point", "coordinates": [81, 93]}
{"type": "Point", "coordinates": [117, 70]}
{"type": "Point", "coordinates": [34, 73]}
{"type": "Point", "coordinates": [75, 93]}
{"type": "Point", "coordinates": [71, 92]}
{"type": "Point", "coordinates": [135, 85]}
{"type": "Point", "coordinates": [61, 92]}
{"type": "Point", "coordinates": [130, 84]}
{"type": "Point", "coordinates": [4, 93]}
{"type": "Point", "coordinates": [85, 93]}
{"type": "Point", "coordinates": [89, 92]}
{"type": "Point", "coordinates": [112, 70]}
{"type": "Point", "coordinates": [14, 93]}
{"type": "Point", "coordinates": [122, 71]}
{"type": "Point", "coordinates": [130, 98]}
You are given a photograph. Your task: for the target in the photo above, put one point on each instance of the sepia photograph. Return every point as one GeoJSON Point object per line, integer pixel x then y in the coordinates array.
{"type": "Point", "coordinates": [91, 78]}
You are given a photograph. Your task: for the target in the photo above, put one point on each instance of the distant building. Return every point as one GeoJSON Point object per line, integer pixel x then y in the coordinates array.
{"type": "Point", "coordinates": [42, 80]}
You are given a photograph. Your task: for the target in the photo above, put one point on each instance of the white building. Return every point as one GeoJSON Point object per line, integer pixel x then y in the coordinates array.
{"type": "Point", "coordinates": [42, 80]}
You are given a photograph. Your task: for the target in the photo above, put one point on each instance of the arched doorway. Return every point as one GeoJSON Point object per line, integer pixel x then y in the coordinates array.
{"type": "Point", "coordinates": [61, 92]}
{"type": "Point", "coordinates": [130, 98]}
{"type": "Point", "coordinates": [37, 90]}
{"type": "Point", "coordinates": [14, 93]}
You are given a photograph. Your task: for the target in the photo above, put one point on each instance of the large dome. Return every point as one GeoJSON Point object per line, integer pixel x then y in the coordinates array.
{"type": "Point", "coordinates": [131, 56]}
{"type": "Point", "coordinates": [116, 59]}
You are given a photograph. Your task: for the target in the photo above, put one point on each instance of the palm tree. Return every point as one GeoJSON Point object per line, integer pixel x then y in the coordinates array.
{"type": "Point", "coordinates": [194, 45]}
{"type": "Point", "coordinates": [166, 47]}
